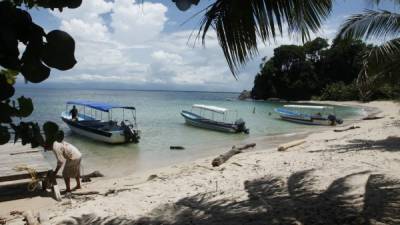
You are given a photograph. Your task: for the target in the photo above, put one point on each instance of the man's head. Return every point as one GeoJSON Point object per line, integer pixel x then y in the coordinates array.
{"type": "Point", "coordinates": [74, 107]}
{"type": "Point", "coordinates": [59, 136]}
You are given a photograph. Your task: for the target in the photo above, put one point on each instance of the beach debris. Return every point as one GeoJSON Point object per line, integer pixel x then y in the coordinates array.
{"type": "Point", "coordinates": [84, 196]}
{"type": "Point", "coordinates": [152, 177]}
{"type": "Point", "coordinates": [346, 129]}
{"type": "Point", "coordinates": [286, 146]}
{"type": "Point", "coordinates": [176, 147]}
{"type": "Point", "coordinates": [86, 193]}
{"type": "Point", "coordinates": [236, 164]}
{"type": "Point", "coordinates": [115, 191]}
{"type": "Point", "coordinates": [86, 178]}
{"type": "Point", "coordinates": [373, 117]}
{"type": "Point", "coordinates": [235, 150]}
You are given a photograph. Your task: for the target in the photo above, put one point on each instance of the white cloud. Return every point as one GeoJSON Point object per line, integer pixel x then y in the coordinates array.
{"type": "Point", "coordinates": [85, 31]}
{"type": "Point", "coordinates": [123, 43]}
{"type": "Point", "coordinates": [90, 11]}
{"type": "Point", "coordinates": [137, 23]}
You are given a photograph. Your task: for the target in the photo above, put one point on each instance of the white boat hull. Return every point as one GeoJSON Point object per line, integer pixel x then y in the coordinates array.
{"type": "Point", "coordinates": [115, 138]}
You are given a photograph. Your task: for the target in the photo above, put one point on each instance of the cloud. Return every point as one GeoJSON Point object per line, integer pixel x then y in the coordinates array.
{"type": "Point", "coordinates": [137, 23]}
{"type": "Point", "coordinates": [124, 44]}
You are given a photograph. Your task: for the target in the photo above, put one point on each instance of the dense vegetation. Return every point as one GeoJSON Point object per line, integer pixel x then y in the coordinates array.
{"type": "Point", "coordinates": [316, 70]}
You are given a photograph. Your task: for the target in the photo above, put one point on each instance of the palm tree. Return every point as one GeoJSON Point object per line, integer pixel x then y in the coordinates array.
{"type": "Point", "coordinates": [241, 24]}
{"type": "Point", "coordinates": [382, 60]}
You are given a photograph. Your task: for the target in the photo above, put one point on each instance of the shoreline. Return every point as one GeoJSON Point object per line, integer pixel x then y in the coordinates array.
{"type": "Point", "coordinates": [190, 178]}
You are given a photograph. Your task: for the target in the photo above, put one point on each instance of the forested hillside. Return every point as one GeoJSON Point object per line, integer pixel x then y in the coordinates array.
{"type": "Point", "coordinates": [316, 70]}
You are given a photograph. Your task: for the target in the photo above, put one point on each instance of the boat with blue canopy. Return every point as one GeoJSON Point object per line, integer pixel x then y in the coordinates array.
{"type": "Point", "coordinates": [95, 120]}
{"type": "Point", "coordinates": [216, 119]}
{"type": "Point", "coordinates": [309, 114]}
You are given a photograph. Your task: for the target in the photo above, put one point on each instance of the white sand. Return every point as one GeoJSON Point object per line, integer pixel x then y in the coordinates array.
{"type": "Point", "coordinates": [242, 190]}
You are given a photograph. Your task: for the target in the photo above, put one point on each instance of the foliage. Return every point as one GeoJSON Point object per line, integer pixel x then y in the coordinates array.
{"type": "Point", "coordinates": [301, 72]}
{"type": "Point", "coordinates": [240, 24]}
{"type": "Point", "coordinates": [382, 60]}
{"type": "Point", "coordinates": [42, 51]}
{"type": "Point", "coordinates": [340, 91]}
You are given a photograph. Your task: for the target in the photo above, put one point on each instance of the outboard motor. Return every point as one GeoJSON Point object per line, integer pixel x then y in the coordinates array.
{"type": "Point", "coordinates": [130, 134]}
{"type": "Point", "coordinates": [241, 126]}
{"type": "Point", "coordinates": [334, 120]}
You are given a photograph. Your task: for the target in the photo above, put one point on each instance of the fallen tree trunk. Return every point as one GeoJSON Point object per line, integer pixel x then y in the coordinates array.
{"type": "Point", "coordinates": [286, 146]}
{"type": "Point", "coordinates": [235, 150]}
{"type": "Point", "coordinates": [89, 175]}
{"type": "Point", "coordinates": [373, 117]}
{"type": "Point", "coordinates": [93, 174]}
{"type": "Point", "coordinates": [346, 129]}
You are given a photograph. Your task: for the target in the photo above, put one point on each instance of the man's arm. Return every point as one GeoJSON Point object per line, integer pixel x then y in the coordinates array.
{"type": "Point", "coordinates": [59, 164]}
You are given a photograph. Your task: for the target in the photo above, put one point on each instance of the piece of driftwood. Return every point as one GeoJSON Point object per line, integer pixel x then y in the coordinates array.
{"type": "Point", "coordinates": [115, 191]}
{"type": "Point", "coordinates": [373, 117]}
{"type": "Point", "coordinates": [286, 146]}
{"type": "Point", "coordinates": [89, 175]}
{"type": "Point", "coordinates": [346, 129]}
{"type": "Point", "coordinates": [86, 193]}
{"type": "Point", "coordinates": [227, 155]}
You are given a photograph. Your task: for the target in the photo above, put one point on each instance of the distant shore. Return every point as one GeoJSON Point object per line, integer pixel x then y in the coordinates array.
{"type": "Point", "coordinates": [197, 191]}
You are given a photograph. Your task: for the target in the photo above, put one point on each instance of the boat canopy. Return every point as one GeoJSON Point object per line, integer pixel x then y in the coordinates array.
{"type": "Point", "coordinates": [308, 106]}
{"type": "Point", "coordinates": [211, 108]}
{"type": "Point", "coordinates": [105, 107]}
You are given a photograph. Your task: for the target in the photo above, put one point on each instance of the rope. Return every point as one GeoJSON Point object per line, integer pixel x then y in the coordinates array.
{"type": "Point", "coordinates": [33, 184]}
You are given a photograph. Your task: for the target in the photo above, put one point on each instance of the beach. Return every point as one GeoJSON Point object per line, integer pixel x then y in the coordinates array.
{"type": "Point", "coordinates": [333, 178]}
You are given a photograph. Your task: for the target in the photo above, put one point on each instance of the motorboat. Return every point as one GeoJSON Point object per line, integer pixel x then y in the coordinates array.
{"type": "Point", "coordinates": [90, 123]}
{"type": "Point", "coordinates": [309, 114]}
{"type": "Point", "coordinates": [207, 118]}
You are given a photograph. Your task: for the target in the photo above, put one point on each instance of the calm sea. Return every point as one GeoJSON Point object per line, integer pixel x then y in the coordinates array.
{"type": "Point", "coordinates": [159, 119]}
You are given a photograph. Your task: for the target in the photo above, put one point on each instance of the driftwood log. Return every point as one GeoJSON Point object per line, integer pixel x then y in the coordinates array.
{"type": "Point", "coordinates": [235, 150]}
{"type": "Point", "coordinates": [89, 175]}
{"type": "Point", "coordinates": [286, 146]}
{"type": "Point", "coordinates": [346, 129]}
{"type": "Point", "coordinates": [373, 117]}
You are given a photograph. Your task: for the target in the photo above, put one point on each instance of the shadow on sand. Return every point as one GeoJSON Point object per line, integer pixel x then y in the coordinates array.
{"type": "Point", "coordinates": [390, 144]}
{"type": "Point", "coordinates": [273, 200]}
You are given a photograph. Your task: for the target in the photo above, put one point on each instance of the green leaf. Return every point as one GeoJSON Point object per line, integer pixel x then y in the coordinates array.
{"type": "Point", "coordinates": [25, 107]}
{"type": "Point", "coordinates": [6, 89]}
{"type": "Point", "coordinates": [240, 24]}
{"type": "Point", "coordinates": [58, 52]}
{"type": "Point", "coordinates": [37, 136]}
{"type": "Point", "coordinates": [50, 130]}
{"type": "Point", "coordinates": [5, 113]}
{"type": "Point", "coordinates": [4, 135]}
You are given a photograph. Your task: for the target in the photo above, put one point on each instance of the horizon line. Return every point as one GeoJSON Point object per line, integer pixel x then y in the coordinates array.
{"type": "Point", "coordinates": [127, 89]}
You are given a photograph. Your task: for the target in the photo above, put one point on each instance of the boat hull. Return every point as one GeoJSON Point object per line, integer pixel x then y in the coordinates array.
{"type": "Point", "coordinates": [198, 121]}
{"type": "Point", "coordinates": [303, 118]}
{"type": "Point", "coordinates": [113, 137]}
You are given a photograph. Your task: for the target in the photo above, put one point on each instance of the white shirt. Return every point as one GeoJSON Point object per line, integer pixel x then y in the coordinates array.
{"type": "Point", "coordinates": [65, 151]}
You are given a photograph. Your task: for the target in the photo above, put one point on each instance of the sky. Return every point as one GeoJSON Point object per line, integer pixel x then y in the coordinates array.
{"type": "Point", "coordinates": [151, 45]}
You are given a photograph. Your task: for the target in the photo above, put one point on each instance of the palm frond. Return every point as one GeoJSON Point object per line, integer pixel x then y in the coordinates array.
{"type": "Point", "coordinates": [240, 24]}
{"type": "Point", "coordinates": [371, 25]}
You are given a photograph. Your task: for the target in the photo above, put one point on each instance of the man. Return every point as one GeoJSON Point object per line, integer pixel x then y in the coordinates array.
{"type": "Point", "coordinates": [74, 113]}
{"type": "Point", "coordinates": [65, 152]}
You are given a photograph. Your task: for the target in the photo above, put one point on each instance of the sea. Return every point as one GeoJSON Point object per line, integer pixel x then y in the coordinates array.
{"type": "Point", "coordinates": [162, 126]}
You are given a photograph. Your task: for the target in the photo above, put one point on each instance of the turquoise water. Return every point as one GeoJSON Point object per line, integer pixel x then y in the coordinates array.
{"type": "Point", "coordinates": [161, 124]}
